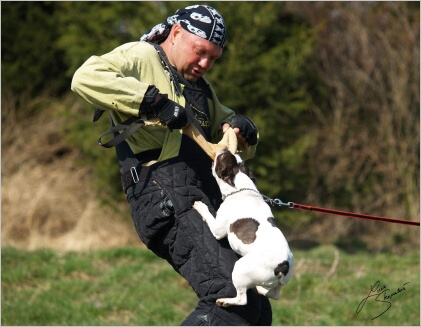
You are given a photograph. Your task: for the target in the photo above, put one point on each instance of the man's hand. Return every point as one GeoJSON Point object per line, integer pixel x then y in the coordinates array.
{"type": "Point", "coordinates": [170, 113]}
{"type": "Point", "coordinates": [242, 142]}
{"type": "Point", "coordinates": [244, 128]}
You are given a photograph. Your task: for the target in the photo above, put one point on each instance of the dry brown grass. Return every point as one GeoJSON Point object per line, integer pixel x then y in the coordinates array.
{"type": "Point", "coordinates": [47, 200]}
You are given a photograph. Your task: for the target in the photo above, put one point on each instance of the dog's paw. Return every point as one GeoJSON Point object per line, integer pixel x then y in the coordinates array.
{"type": "Point", "coordinates": [226, 302]}
{"type": "Point", "coordinates": [222, 303]}
{"type": "Point", "coordinates": [200, 207]}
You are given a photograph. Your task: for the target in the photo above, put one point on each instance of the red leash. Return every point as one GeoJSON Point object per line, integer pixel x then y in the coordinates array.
{"type": "Point", "coordinates": [354, 215]}
{"type": "Point", "coordinates": [293, 205]}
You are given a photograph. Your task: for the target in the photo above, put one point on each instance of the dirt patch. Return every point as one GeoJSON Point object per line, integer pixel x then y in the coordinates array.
{"type": "Point", "coordinates": [47, 200]}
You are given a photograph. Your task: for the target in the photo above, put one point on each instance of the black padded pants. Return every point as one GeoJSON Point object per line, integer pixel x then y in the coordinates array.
{"type": "Point", "coordinates": [161, 209]}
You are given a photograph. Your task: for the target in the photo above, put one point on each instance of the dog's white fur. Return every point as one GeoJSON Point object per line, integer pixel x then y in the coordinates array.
{"type": "Point", "coordinates": [264, 254]}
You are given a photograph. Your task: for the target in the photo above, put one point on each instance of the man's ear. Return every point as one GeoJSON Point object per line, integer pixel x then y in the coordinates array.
{"type": "Point", "coordinates": [175, 32]}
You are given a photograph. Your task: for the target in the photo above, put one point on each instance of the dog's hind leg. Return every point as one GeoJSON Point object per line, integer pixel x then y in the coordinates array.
{"type": "Point", "coordinates": [261, 290]}
{"type": "Point", "coordinates": [273, 293]}
{"type": "Point", "coordinates": [242, 281]}
{"type": "Point", "coordinates": [240, 299]}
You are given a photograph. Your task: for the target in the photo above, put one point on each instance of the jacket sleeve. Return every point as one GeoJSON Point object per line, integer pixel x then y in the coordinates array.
{"type": "Point", "coordinates": [107, 81]}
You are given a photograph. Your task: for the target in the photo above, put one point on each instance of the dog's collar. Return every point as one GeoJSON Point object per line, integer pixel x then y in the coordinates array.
{"type": "Point", "coordinates": [238, 191]}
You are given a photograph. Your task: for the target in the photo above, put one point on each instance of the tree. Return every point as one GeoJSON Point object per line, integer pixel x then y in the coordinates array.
{"type": "Point", "coordinates": [366, 152]}
{"type": "Point", "coordinates": [94, 28]}
{"type": "Point", "coordinates": [31, 63]}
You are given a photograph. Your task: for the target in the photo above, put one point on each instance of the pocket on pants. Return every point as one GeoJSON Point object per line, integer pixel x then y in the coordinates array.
{"type": "Point", "coordinates": [152, 212]}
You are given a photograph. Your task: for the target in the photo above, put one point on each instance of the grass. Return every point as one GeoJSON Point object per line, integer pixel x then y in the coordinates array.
{"type": "Point", "coordinates": [131, 286]}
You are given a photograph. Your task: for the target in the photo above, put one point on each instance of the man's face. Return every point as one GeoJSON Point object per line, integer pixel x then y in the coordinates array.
{"type": "Point", "coordinates": [192, 55]}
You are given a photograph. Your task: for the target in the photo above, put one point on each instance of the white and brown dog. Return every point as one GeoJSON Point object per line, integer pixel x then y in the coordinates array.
{"type": "Point", "coordinates": [267, 261]}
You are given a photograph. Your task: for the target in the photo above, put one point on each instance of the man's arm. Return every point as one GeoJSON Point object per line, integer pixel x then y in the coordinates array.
{"type": "Point", "coordinates": [104, 83]}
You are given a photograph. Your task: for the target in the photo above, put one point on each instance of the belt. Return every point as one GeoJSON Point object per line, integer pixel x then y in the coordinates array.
{"type": "Point", "coordinates": [138, 173]}
{"type": "Point", "coordinates": [134, 176]}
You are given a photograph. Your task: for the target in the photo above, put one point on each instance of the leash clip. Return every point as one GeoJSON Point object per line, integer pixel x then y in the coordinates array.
{"type": "Point", "coordinates": [286, 204]}
{"type": "Point", "coordinates": [278, 202]}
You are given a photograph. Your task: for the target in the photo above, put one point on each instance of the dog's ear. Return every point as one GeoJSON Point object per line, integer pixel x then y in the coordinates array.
{"type": "Point", "coordinates": [227, 175]}
{"type": "Point", "coordinates": [245, 169]}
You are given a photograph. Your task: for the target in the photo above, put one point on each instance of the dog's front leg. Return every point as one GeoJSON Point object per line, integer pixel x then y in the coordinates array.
{"type": "Point", "coordinates": [219, 231]}
{"type": "Point", "coordinates": [203, 210]}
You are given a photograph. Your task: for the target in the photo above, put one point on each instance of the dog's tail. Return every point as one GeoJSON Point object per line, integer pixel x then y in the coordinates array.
{"type": "Point", "coordinates": [283, 268]}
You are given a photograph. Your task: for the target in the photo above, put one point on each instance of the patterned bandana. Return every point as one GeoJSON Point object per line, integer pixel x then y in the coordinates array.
{"type": "Point", "coordinates": [201, 20]}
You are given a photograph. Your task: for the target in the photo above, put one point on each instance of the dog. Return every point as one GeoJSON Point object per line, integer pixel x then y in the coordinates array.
{"type": "Point", "coordinates": [246, 219]}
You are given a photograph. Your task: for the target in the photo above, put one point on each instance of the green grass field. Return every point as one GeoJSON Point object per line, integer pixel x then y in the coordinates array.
{"type": "Point", "coordinates": [131, 286]}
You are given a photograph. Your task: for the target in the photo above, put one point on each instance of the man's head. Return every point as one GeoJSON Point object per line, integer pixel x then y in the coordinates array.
{"type": "Point", "coordinates": [192, 39]}
{"type": "Point", "coordinates": [190, 54]}
{"type": "Point", "coordinates": [201, 20]}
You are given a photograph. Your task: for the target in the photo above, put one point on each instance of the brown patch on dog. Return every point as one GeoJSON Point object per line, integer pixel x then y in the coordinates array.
{"type": "Point", "coordinates": [282, 268]}
{"type": "Point", "coordinates": [245, 229]}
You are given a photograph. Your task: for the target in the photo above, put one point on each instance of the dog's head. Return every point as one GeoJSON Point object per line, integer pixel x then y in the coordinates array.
{"type": "Point", "coordinates": [227, 165]}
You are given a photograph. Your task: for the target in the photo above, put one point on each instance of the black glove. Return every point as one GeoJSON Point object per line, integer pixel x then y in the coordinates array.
{"type": "Point", "coordinates": [170, 113]}
{"type": "Point", "coordinates": [246, 126]}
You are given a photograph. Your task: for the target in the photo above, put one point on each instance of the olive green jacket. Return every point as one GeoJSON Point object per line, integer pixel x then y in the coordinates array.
{"type": "Point", "coordinates": [117, 81]}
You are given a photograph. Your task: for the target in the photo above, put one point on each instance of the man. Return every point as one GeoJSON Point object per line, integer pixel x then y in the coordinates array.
{"type": "Point", "coordinates": [161, 79]}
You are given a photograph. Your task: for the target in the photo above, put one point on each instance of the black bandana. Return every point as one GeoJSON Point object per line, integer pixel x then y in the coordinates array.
{"type": "Point", "coordinates": [201, 20]}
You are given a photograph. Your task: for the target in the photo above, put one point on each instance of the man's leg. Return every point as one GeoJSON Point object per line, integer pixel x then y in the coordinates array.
{"type": "Point", "coordinates": [208, 269]}
{"type": "Point", "coordinates": [257, 312]}
{"type": "Point", "coordinates": [188, 245]}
